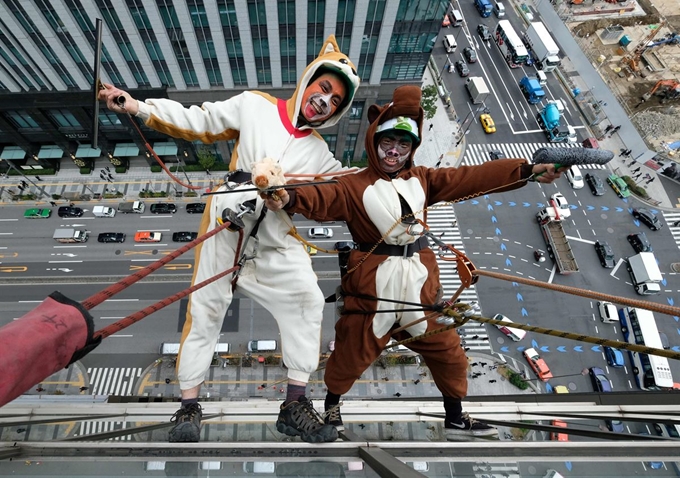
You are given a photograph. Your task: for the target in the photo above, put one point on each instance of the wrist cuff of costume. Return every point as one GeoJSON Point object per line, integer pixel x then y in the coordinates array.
{"type": "Point", "coordinates": [292, 196]}
{"type": "Point", "coordinates": [525, 171]}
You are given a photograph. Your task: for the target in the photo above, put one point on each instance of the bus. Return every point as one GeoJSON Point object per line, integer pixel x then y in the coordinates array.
{"type": "Point", "coordinates": [639, 327]}
{"type": "Point", "coordinates": [510, 45]}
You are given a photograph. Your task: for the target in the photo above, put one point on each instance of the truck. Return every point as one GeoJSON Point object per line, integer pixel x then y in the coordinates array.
{"type": "Point", "coordinates": [477, 89]}
{"type": "Point", "coordinates": [532, 90]}
{"type": "Point", "coordinates": [137, 207]}
{"type": "Point", "coordinates": [644, 273]}
{"type": "Point", "coordinates": [545, 51]}
{"type": "Point", "coordinates": [559, 249]}
{"type": "Point", "coordinates": [550, 119]}
{"type": "Point", "coordinates": [484, 7]}
{"type": "Point", "coordinates": [103, 211]}
{"type": "Point", "coordinates": [71, 235]}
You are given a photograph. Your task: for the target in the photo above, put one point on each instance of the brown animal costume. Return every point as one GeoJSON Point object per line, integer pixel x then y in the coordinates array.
{"type": "Point", "coordinates": [403, 267]}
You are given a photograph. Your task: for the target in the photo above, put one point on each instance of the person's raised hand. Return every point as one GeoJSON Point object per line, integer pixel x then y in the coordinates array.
{"type": "Point", "coordinates": [277, 200]}
{"type": "Point", "coordinates": [547, 173]}
{"type": "Point", "coordinates": [113, 96]}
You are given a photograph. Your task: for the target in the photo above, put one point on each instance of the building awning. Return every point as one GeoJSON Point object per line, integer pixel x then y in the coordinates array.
{"type": "Point", "coordinates": [50, 151]}
{"type": "Point", "coordinates": [165, 149]}
{"type": "Point", "coordinates": [13, 152]}
{"type": "Point", "coordinates": [124, 150]}
{"type": "Point", "coordinates": [86, 151]}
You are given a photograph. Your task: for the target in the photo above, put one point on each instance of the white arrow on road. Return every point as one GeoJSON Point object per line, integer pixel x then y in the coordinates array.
{"type": "Point", "coordinates": [69, 254]}
{"type": "Point", "coordinates": [62, 270]}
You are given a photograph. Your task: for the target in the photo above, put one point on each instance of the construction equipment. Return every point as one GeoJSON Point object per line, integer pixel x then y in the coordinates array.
{"type": "Point", "coordinates": [670, 91]}
{"type": "Point", "coordinates": [671, 39]}
{"type": "Point", "coordinates": [632, 59]}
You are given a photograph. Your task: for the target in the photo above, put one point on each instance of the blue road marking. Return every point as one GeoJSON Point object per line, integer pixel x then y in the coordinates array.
{"type": "Point", "coordinates": [663, 281]}
{"type": "Point", "coordinates": [590, 208]}
{"type": "Point", "coordinates": [489, 207]}
{"type": "Point", "coordinates": [670, 300]}
{"type": "Point", "coordinates": [493, 219]}
{"type": "Point", "coordinates": [475, 202]}
{"type": "Point", "coordinates": [561, 348]}
{"type": "Point", "coordinates": [534, 344]}
{"type": "Point", "coordinates": [519, 297]}
{"type": "Point", "coordinates": [577, 348]}
{"type": "Point", "coordinates": [595, 348]}
{"type": "Point", "coordinates": [524, 312]}
{"type": "Point", "coordinates": [512, 204]}
{"type": "Point", "coordinates": [630, 210]}
{"type": "Point", "coordinates": [636, 222]}
{"type": "Point", "coordinates": [498, 232]}
{"type": "Point", "coordinates": [486, 196]}
{"type": "Point", "coordinates": [503, 247]}
{"type": "Point", "coordinates": [521, 348]}
{"type": "Point", "coordinates": [526, 204]}
{"type": "Point", "coordinates": [675, 348]}
{"type": "Point", "coordinates": [508, 262]}
{"type": "Point", "coordinates": [545, 348]}
{"type": "Point", "coordinates": [540, 204]}
{"type": "Point", "coordinates": [505, 349]}
{"type": "Point", "coordinates": [619, 209]}
{"type": "Point", "coordinates": [568, 465]}
{"type": "Point", "coordinates": [604, 208]}
{"type": "Point", "coordinates": [498, 203]}
{"type": "Point", "coordinates": [515, 284]}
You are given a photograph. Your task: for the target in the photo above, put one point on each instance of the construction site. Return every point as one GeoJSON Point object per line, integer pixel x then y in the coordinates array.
{"type": "Point", "coordinates": [635, 46]}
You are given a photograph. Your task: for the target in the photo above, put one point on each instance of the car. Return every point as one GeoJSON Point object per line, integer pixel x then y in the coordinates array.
{"type": "Point", "coordinates": [331, 346]}
{"type": "Point", "coordinates": [608, 312]}
{"type": "Point", "coordinates": [605, 254]}
{"type": "Point", "coordinates": [400, 349]}
{"type": "Point", "coordinates": [618, 185]}
{"type": "Point", "coordinates": [487, 123]}
{"type": "Point", "coordinates": [462, 68]}
{"type": "Point", "coordinates": [484, 32]}
{"type": "Point", "coordinates": [560, 202]}
{"type": "Point", "coordinates": [163, 208]}
{"type": "Point", "coordinates": [556, 436]}
{"type": "Point", "coordinates": [537, 364]}
{"type": "Point", "coordinates": [615, 426]}
{"type": "Point", "coordinates": [38, 213]}
{"type": "Point", "coordinates": [614, 357]}
{"type": "Point", "coordinates": [311, 250]}
{"type": "Point", "coordinates": [184, 236]}
{"type": "Point", "coordinates": [599, 379]}
{"type": "Point", "coordinates": [647, 217]}
{"type": "Point", "coordinates": [148, 236]}
{"type": "Point", "coordinates": [196, 207]}
{"type": "Point", "coordinates": [111, 237]}
{"type": "Point", "coordinates": [69, 211]}
{"type": "Point", "coordinates": [495, 154]}
{"type": "Point", "coordinates": [470, 54]}
{"type": "Point", "coordinates": [575, 177]}
{"type": "Point", "coordinates": [560, 389]}
{"type": "Point", "coordinates": [320, 233]}
{"type": "Point", "coordinates": [640, 242]}
{"type": "Point", "coordinates": [595, 184]}
{"type": "Point", "coordinates": [446, 22]}
{"type": "Point", "coordinates": [665, 344]}
{"type": "Point", "coordinates": [515, 334]}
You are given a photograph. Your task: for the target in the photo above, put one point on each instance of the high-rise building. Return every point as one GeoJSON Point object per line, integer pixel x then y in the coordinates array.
{"type": "Point", "coordinates": [190, 51]}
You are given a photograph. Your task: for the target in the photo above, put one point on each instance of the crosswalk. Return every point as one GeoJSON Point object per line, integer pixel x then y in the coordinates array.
{"type": "Point", "coordinates": [670, 219]}
{"type": "Point", "coordinates": [476, 154]}
{"type": "Point", "coordinates": [102, 426]}
{"type": "Point", "coordinates": [443, 219]}
{"type": "Point", "coordinates": [113, 380]}
{"type": "Point", "coordinates": [496, 470]}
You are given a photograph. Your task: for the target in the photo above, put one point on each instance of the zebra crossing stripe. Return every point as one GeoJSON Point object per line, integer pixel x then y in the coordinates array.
{"type": "Point", "coordinates": [476, 154]}
{"type": "Point", "coordinates": [113, 380]}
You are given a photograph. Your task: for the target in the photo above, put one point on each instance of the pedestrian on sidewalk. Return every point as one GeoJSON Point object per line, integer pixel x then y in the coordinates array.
{"type": "Point", "coordinates": [636, 170]}
{"type": "Point", "coordinates": [38, 178]}
{"type": "Point", "coordinates": [439, 161]}
{"type": "Point", "coordinates": [632, 163]}
{"type": "Point", "coordinates": [608, 128]}
{"type": "Point", "coordinates": [431, 126]}
{"type": "Point", "coordinates": [416, 381]}
{"type": "Point", "coordinates": [397, 394]}
{"type": "Point", "coordinates": [637, 176]}
{"type": "Point", "coordinates": [53, 204]}
{"type": "Point", "coordinates": [492, 381]}
{"type": "Point", "coordinates": [616, 129]}
{"type": "Point", "coordinates": [650, 180]}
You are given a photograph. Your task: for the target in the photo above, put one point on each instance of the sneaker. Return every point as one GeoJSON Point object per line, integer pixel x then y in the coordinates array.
{"type": "Point", "coordinates": [470, 427]}
{"type": "Point", "coordinates": [187, 422]}
{"type": "Point", "coordinates": [333, 417]}
{"type": "Point", "coordinates": [301, 419]}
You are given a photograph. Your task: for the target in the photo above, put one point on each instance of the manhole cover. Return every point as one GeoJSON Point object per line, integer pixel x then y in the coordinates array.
{"type": "Point", "coordinates": [675, 267]}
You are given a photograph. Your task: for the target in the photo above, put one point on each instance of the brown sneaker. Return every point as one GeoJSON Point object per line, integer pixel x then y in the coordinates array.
{"type": "Point", "coordinates": [301, 419]}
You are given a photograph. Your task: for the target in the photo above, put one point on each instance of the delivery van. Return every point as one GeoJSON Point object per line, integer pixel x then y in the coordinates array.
{"type": "Point", "coordinates": [262, 346]}
{"type": "Point", "coordinates": [103, 211]}
{"type": "Point", "coordinates": [450, 43]}
{"type": "Point", "coordinates": [456, 18]}
{"type": "Point", "coordinates": [499, 9]}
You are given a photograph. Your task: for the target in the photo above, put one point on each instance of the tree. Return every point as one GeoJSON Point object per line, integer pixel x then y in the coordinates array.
{"type": "Point", "coordinates": [428, 101]}
{"type": "Point", "coordinates": [206, 158]}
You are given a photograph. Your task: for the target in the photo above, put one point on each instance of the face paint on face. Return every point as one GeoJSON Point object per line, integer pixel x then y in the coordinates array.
{"type": "Point", "coordinates": [394, 149]}
{"type": "Point", "coordinates": [322, 98]}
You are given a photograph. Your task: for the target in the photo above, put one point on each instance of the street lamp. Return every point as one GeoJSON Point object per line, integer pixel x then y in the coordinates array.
{"type": "Point", "coordinates": [584, 372]}
{"type": "Point", "coordinates": [464, 130]}
{"type": "Point", "coordinates": [181, 164]}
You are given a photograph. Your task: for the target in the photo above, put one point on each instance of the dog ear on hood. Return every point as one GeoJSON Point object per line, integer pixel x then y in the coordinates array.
{"type": "Point", "coordinates": [374, 112]}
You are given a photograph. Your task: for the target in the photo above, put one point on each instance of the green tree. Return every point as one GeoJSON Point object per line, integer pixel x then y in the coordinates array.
{"type": "Point", "coordinates": [428, 101]}
{"type": "Point", "coordinates": [206, 158]}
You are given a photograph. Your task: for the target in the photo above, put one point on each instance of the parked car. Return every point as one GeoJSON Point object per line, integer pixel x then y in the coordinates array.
{"type": "Point", "coordinates": [184, 236]}
{"type": "Point", "coordinates": [495, 154]}
{"type": "Point", "coordinates": [575, 177]}
{"type": "Point", "coordinates": [605, 254]}
{"type": "Point", "coordinates": [37, 213]}
{"type": "Point", "coordinates": [560, 389]}
{"type": "Point", "coordinates": [538, 365]}
{"type": "Point", "coordinates": [320, 233]}
{"type": "Point", "coordinates": [615, 426]}
{"type": "Point", "coordinates": [619, 186]}
{"type": "Point", "coordinates": [196, 207]}
{"type": "Point", "coordinates": [556, 436]}
{"type": "Point", "coordinates": [111, 237]}
{"type": "Point", "coordinates": [599, 379]}
{"type": "Point", "coordinates": [595, 184]}
{"type": "Point", "coordinates": [561, 204]}
{"type": "Point", "coordinates": [640, 242]}
{"type": "Point", "coordinates": [148, 236]}
{"type": "Point", "coordinates": [470, 54]}
{"type": "Point", "coordinates": [614, 357]}
{"type": "Point", "coordinates": [163, 208]}
{"type": "Point", "coordinates": [462, 68]}
{"type": "Point", "coordinates": [484, 32]}
{"type": "Point", "coordinates": [69, 211]}
{"type": "Point", "coordinates": [487, 123]}
{"type": "Point", "coordinates": [608, 312]}
{"type": "Point", "coordinates": [515, 334]}
{"type": "Point", "coordinates": [665, 344]}
{"type": "Point", "coordinates": [647, 217]}
{"type": "Point", "coordinates": [311, 250]}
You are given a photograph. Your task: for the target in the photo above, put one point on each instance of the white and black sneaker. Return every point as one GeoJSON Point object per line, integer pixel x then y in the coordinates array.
{"type": "Point", "coordinates": [468, 427]}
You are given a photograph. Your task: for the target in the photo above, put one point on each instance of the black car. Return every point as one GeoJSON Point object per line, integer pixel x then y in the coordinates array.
{"type": "Point", "coordinates": [111, 237]}
{"type": "Point", "coordinates": [484, 32]}
{"type": "Point", "coordinates": [462, 68]}
{"type": "Point", "coordinates": [595, 184]}
{"type": "Point", "coordinates": [470, 55]}
{"type": "Point", "coordinates": [184, 236]}
{"type": "Point", "coordinates": [163, 208]}
{"type": "Point", "coordinates": [69, 211]}
{"type": "Point", "coordinates": [196, 207]}
{"type": "Point", "coordinates": [496, 155]}
{"type": "Point", "coordinates": [605, 254]}
{"type": "Point", "coordinates": [640, 242]}
{"type": "Point", "coordinates": [664, 341]}
{"type": "Point", "coordinates": [646, 217]}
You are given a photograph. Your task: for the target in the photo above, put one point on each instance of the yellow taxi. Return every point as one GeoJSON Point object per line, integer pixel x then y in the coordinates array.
{"type": "Point", "coordinates": [311, 250]}
{"type": "Point", "coordinates": [487, 123]}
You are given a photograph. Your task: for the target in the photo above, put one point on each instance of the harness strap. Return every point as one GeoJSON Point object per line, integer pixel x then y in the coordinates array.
{"type": "Point", "coordinates": [393, 250]}
{"type": "Point", "coordinates": [244, 257]}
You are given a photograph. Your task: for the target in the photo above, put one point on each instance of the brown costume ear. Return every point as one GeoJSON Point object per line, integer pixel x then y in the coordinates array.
{"type": "Point", "coordinates": [374, 112]}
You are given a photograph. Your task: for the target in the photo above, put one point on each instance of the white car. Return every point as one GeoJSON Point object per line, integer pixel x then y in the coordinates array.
{"type": "Point", "coordinates": [561, 204]}
{"type": "Point", "coordinates": [575, 177]}
{"type": "Point", "coordinates": [320, 233]}
{"type": "Point", "coordinates": [514, 334]}
{"type": "Point", "coordinates": [608, 312]}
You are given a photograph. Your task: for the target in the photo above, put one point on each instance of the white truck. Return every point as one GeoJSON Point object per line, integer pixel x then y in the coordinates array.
{"type": "Point", "coordinates": [71, 235]}
{"type": "Point", "coordinates": [544, 48]}
{"type": "Point", "coordinates": [137, 207]}
{"type": "Point", "coordinates": [477, 89]}
{"type": "Point", "coordinates": [103, 211]}
{"type": "Point", "coordinates": [644, 273]}
{"type": "Point", "coordinates": [556, 240]}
